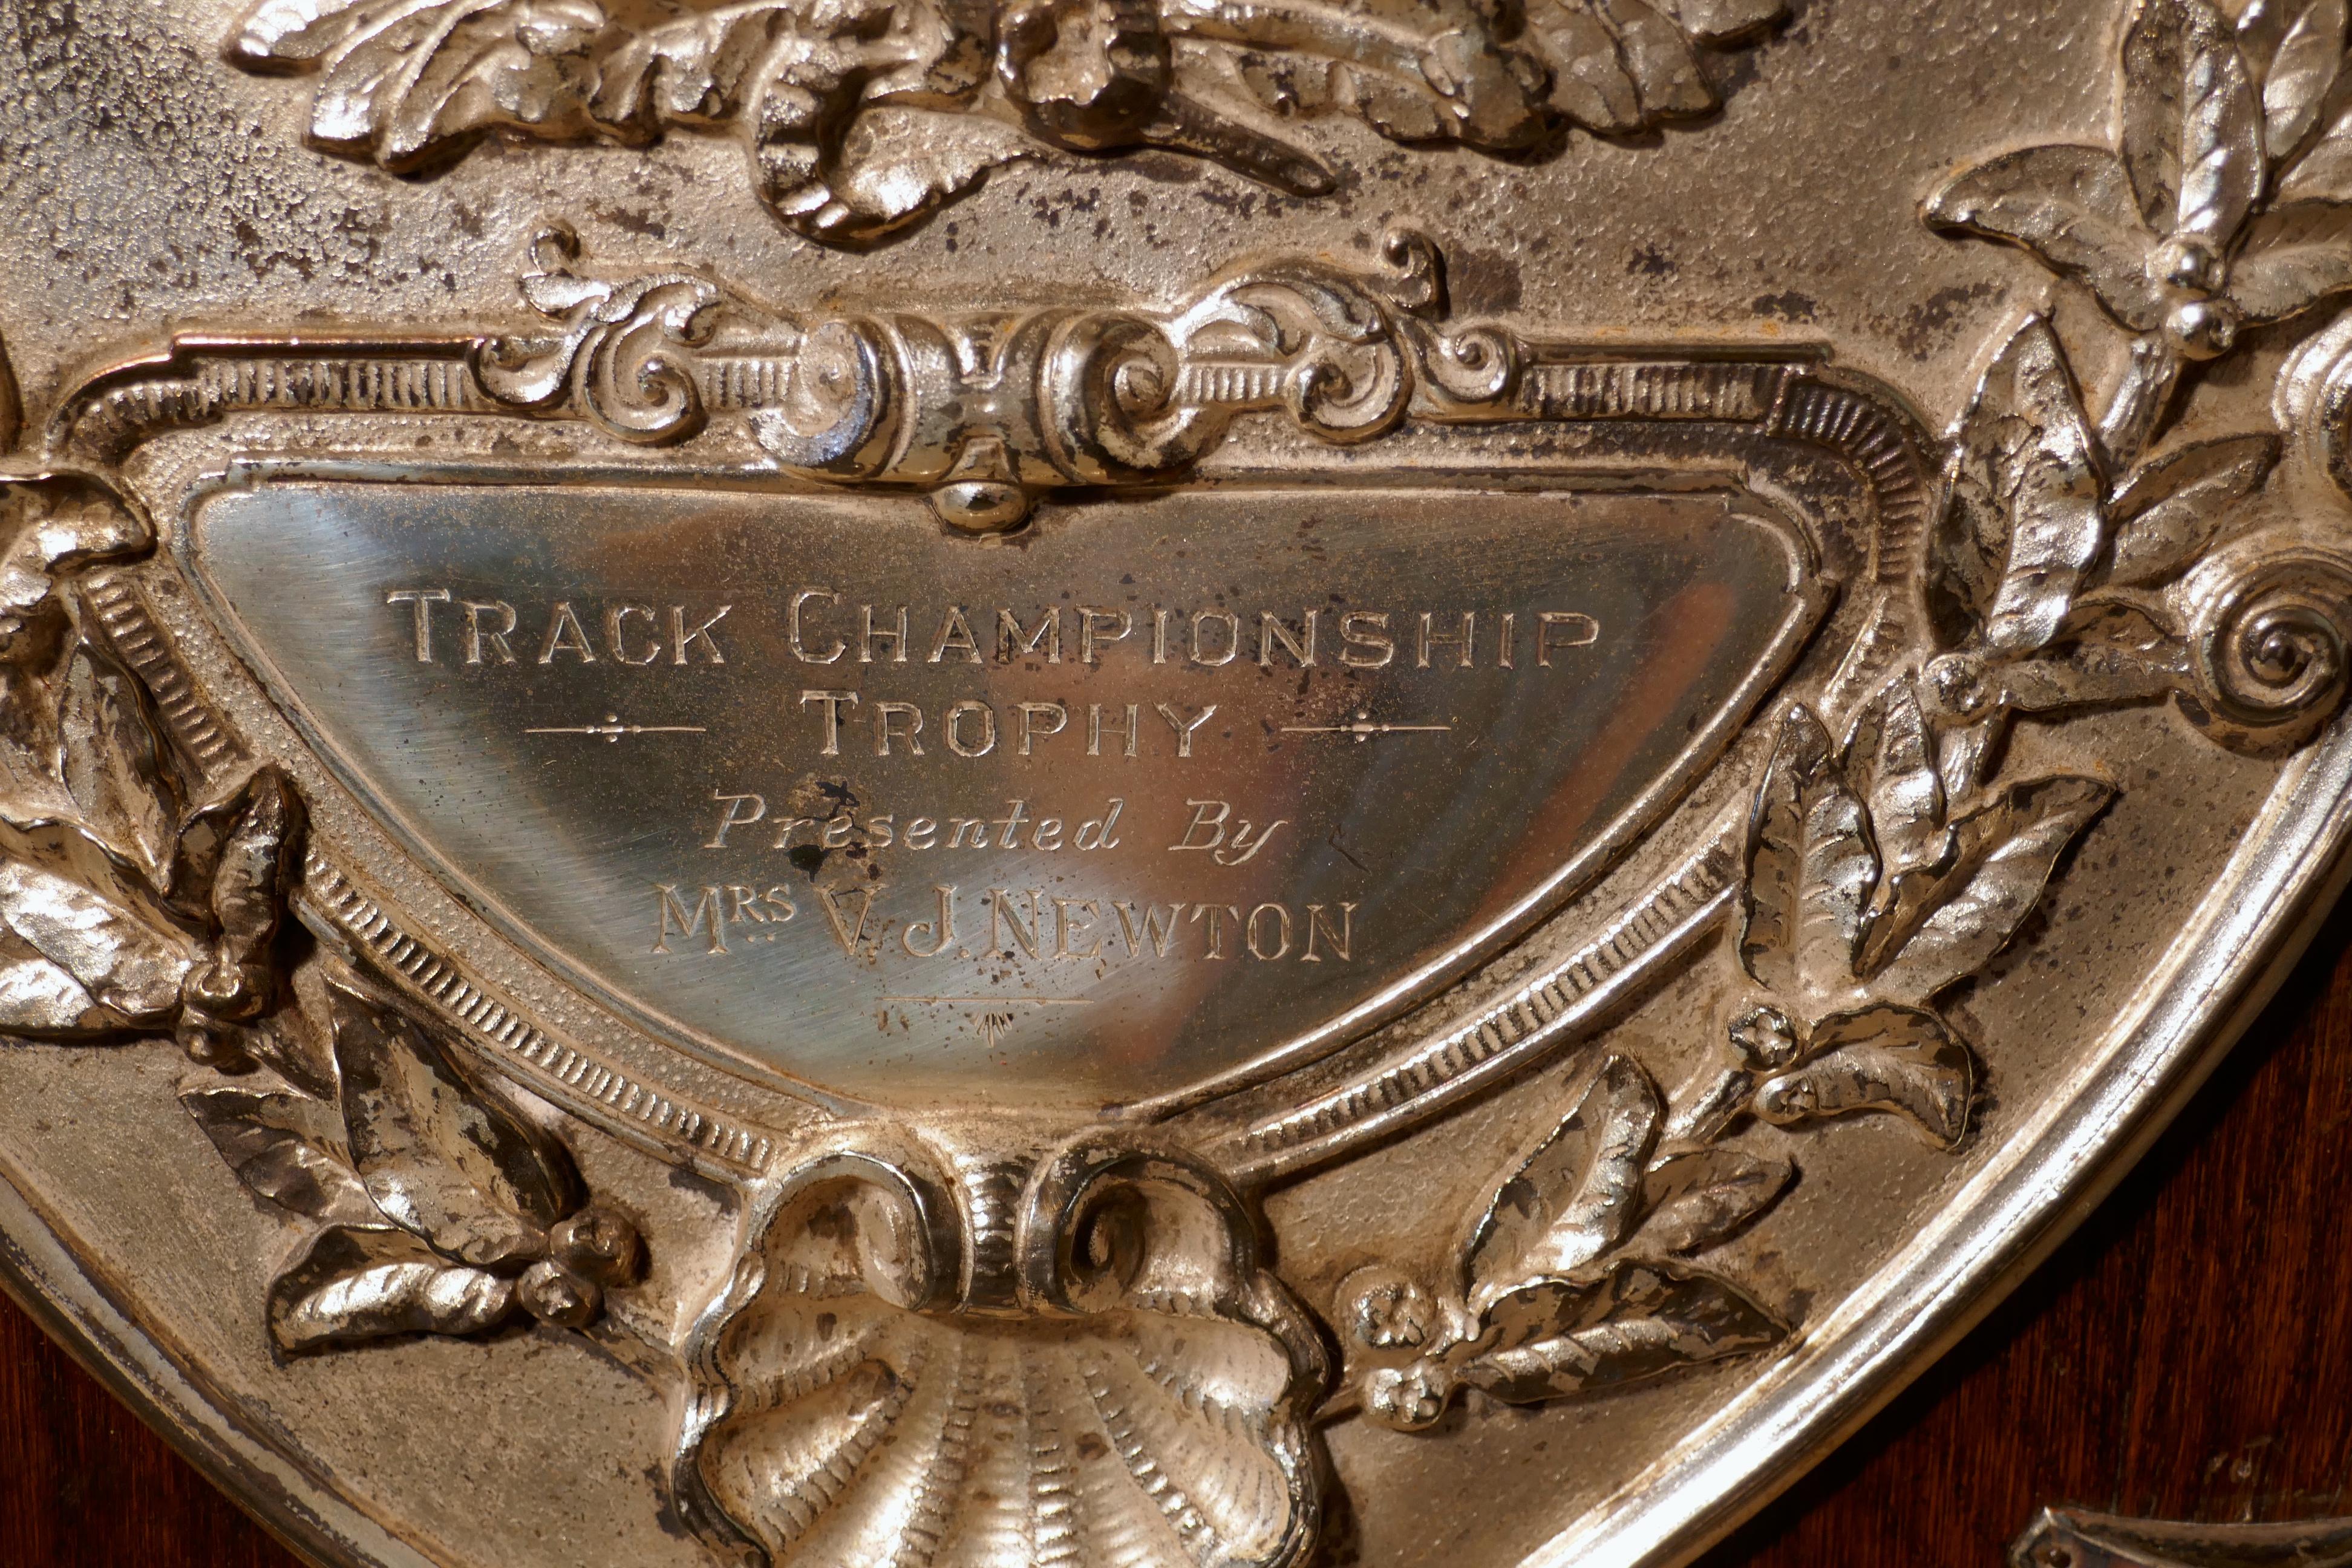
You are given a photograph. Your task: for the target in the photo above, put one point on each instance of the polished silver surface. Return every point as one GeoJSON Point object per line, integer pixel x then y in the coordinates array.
{"type": "Point", "coordinates": [1093, 815]}
{"type": "Point", "coordinates": [797, 866]}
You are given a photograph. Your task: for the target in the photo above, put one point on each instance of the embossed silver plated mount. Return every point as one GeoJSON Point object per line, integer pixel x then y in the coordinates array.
{"type": "Point", "coordinates": [1237, 766]}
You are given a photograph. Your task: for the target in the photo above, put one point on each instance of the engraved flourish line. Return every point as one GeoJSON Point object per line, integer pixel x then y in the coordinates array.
{"type": "Point", "coordinates": [1363, 729]}
{"type": "Point", "coordinates": [612, 729]}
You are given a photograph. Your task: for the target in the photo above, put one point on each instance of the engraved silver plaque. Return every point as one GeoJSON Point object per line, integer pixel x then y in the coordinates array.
{"type": "Point", "coordinates": [1132, 785]}
{"type": "Point", "coordinates": [1159, 784]}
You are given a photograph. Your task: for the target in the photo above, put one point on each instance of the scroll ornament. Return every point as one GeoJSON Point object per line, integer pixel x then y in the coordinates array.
{"type": "Point", "coordinates": [986, 415]}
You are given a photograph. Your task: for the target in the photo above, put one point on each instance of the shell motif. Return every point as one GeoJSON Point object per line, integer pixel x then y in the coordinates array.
{"type": "Point", "coordinates": [1094, 1372]}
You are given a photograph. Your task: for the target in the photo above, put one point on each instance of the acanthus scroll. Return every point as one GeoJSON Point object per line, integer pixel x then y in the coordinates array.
{"type": "Point", "coordinates": [990, 411]}
{"type": "Point", "coordinates": [619, 354]}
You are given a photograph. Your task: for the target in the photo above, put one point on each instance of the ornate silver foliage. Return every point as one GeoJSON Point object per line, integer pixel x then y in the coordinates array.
{"type": "Point", "coordinates": [1012, 1354]}
{"type": "Point", "coordinates": [2226, 203]}
{"type": "Point", "coordinates": [136, 902]}
{"type": "Point", "coordinates": [2055, 583]}
{"type": "Point", "coordinates": [1877, 875]}
{"type": "Point", "coordinates": [442, 1209]}
{"type": "Point", "coordinates": [862, 115]}
{"type": "Point", "coordinates": [2213, 119]}
{"type": "Point", "coordinates": [2074, 567]}
{"type": "Point", "coordinates": [1574, 1276]}
{"type": "Point", "coordinates": [129, 904]}
{"type": "Point", "coordinates": [1877, 878]}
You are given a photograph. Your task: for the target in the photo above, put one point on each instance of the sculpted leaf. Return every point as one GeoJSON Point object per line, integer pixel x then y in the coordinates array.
{"type": "Point", "coordinates": [63, 845]}
{"type": "Point", "coordinates": [439, 1155]}
{"type": "Point", "coordinates": [1456, 86]}
{"type": "Point", "coordinates": [355, 1286]}
{"type": "Point", "coordinates": [1887, 1059]}
{"type": "Point", "coordinates": [2295, 256]}
{"type": "Point", "coordinates": [2297, 73]}
{"type": "Point", "coordinates": [1643, 1320]}
{"type": "Point", "coordinates": [114, 764]}
{"type": "Point", "coordinates": [1576, 1194]}
{"type": "Point", "coordinates": [282, 33]}
{"type": "Point", "coordinates": [30, 792]}
{"type": "Point", "coordinates": [1768, 909]}
{"type": "Point", "coordinates": [1715, 20]}
{"type": "Point", "coordinates": [862, 115]}
{"type": "Point", "coordinates": [1659, 58]}
{"type": "Point", "coordinates": [522, 62]}
{"type": "Point", "coordinates": [847, 142]}
{"type": "Point", "coordinates": [1840, 871]}
{"type": "Point", "coordinates": [2006, 853]}
{"type": "Point", "coordinates": [2172, 508]}
{"type": "Point", "coordinates": [250, 875]}
{"type": "Point", "coordinates": [2072, 207]}
{"type": "Point", "coordinates": [1811, 867]}
{"type": "Point", "coordinates": [690, 70]}
{"type": "Point", "coordinates": [2192, 124]}
{"type": "Point", "coordinates": [280, 1143]}
{"type": "Point", "coordinates": [2324, 172]}
{"type": "Point", "coordinates": [1710, 1113]}
{"type": "Point", "coordinates": [250, 879]}
{"type": "Point", "coordinates": [1962, 753]}
{"type": "Point", "coordinates": [2260, 26]}
{"type": "Point", "coordinates": [404, 79]}
{"type": "Point", "coordinates": [1206, 117]}
{"type": "Point", "coordinates": [1590, 83]}
{"type": "Point", "coordinates": [1698, 1200]}
{"type": "Point", "coordinates": [1284, 84]}
{"type": "Point", "coordinates": [1400, 110]}
{"type": "Point", "coordinates": [891, 165]}
{"type": "Point", "coordinates": [2025, 522]}
{"type": "Point", "coordinates": [126, 956]}
{"type": "Point", "coordinates": [203, 840]}
{"type": "Point", "coordinates": [39, 997]}
{"type": "Point", "coordinates": [1892, 750]}
{"type": "Point", "coordinates": [1906, 790]}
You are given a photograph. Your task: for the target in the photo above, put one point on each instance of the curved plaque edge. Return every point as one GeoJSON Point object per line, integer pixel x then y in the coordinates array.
{"type": "Point", "coordinates": [45, 1278]}
{"type": "Point", "coordinates": [2204, 1019]}
{"type": "Point", "coordinates": [1345, 356]}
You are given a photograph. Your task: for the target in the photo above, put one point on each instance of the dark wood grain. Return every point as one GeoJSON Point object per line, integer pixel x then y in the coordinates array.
{"type": "Point", "coordinates": [2189, 1353]}
{"type": "Point", "coordinates": [85, 1484]}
